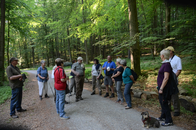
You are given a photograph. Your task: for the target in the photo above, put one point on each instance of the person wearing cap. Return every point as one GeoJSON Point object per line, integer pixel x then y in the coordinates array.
{"type": "Point", "coordinates": [42, 77]}
{"type": "Point", "coordinates": [15, 81]}
{"type": "Point", "coordinates": [60, 85]}
{"type": "Point", "coordinates": [176, 64]}
{"type": "Point", "coordinates": [79, 70]}
{"type": "Point", "coordinates": [109, 67]}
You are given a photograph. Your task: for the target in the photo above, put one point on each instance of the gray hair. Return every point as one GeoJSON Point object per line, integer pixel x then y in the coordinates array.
{"type": "Point", "coordinates": [43, 61]}
{"type": "Point", "coordinates": [123, 62]}
{"type": "Point", "coordinates": [165, 53]}
{"type": "Point", "coordinates": [79, 58]}
{"type": "Point", "coordinates": [118, 60]}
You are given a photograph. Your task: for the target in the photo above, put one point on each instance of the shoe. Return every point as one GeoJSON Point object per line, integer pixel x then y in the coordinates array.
{"type": "Point", "coordinates": [112, 96]}
{"type": "Point", "coordinates": [121, 102]}
{"type": "Point", "coordinates": [70, 94]}
{"type": "Point", "coordinates": [46, 96]}
{"type": "Point", "coordinates": [40, 97]}
{"type": "Point", "coordinates": [106, 95]}
{"type": "Point", "coordinates": [22, 110]}
{"type": "Point", "coordinates": [160, 119]}
{"type": "Point", "coordinates": [93, 93]}
{"type": "Point", "coordinates": [65, 117]}
{"type": "Point", "coordinates": [117, 101]}
{"type": "Point", "coordinates": [81, 98]}
{"type": "Point", "coordinates": [14, 116]}
{"type": "Point", "coordinates": [166, 124]}
{"type": "Point", "coordinates": [176, 114]}
{"type": "Point", "coordinates": [66, 102]}
{"type": "Point", "coordinates": [77, 100]}
{"type": "Point", "coordinates": [100, 93]}
{"type": "Point", "coordinates": [127, 107]}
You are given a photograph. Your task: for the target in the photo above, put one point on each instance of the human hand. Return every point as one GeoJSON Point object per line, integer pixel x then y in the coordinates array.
{"type": "Point", "coordinates": [20, 79]}
{"type": "Point", "coordinates": [160, 91]}
{"type": "Point", "coordinates": [104, 68]}
{"type": "Point", "coordinates": [67, 78]}
{"type": "Point", "coordinates": [47, 78]}
{"type": "Point", "coordinates": [43, 78]}
{"type": "Point", "coordinates": [98, 77]}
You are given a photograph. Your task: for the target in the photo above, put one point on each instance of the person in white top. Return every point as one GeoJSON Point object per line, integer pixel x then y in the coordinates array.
{"type": "Point", "coordinates": [176, 64]}
{"type": "Point", "coordinates": [96, 72]}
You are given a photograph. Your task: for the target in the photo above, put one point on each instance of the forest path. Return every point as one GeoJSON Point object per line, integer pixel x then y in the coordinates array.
{"type": "Point", "coordinates": [92, 113]}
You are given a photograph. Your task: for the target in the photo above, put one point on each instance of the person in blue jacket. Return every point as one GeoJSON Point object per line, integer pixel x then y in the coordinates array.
{"type": "Point", "coordinates": [109, 67]}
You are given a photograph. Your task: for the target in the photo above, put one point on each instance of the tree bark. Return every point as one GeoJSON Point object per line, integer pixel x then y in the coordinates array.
{"type": "Point", "coordinates": [68, 40]}
{"type": "Point", "coordinates": [2, 42]}
{"type": "Point", "coordinates": [167, 20]}
{"type": "Point", "coordinates": [133, 26]}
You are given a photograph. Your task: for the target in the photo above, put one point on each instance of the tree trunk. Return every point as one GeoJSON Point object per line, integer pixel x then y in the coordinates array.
{"type": "Point", "coordinates": [68, 40]}
{"type": "Point", "coordinates": [2, 42]}
{"type": "Point", "coordinates": [167, 20]}
{"type": "Point", "coordinates": [8, 39]}
{"type": "Point", "coordinates": [33, 55]}
{"type": "Point", "coordinates": [64, 45]}
{"type": "Point", "coordinates": [133, 26]}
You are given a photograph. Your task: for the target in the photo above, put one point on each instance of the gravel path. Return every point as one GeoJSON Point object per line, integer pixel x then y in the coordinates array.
{"type": "Point", "coordinates": [98, 113]}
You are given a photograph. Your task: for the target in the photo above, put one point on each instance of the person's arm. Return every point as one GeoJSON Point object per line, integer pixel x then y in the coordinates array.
{"type": "Point", "coordinates": [165, 80]}
{"type": "Point", "coordinates": [63, 77]}
{"type": "Point", "coordinates": [178, 73]}
{"type": "Point", "coordinates": [117, 74]}
{"type": "Point", "coordinates": [14, 77]}
{"type": "Point", "coordinates": [104, 67]}
{"type": "Point", "coordinates": [130, 74]}
{"type": "Point", "coordinates": [73, 70]}
{"type": "Point", "coordinates": [179, 67]}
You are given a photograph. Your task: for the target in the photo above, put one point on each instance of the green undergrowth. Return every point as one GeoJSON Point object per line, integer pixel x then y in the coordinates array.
{"type": "Point", "coordinates": [5, 92]}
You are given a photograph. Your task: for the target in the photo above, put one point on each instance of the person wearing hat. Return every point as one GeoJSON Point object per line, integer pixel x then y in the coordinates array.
{"type": "Point", "coordinates": [16, 83]}
{"type": "Point", "coordinates": [176, 64]}
{"type": "Point", "coordinates": [60, 85]}
{"type": "Point", "coordinates": [79, 71]}
{"type": "Point", "coordinates": [42, 77]}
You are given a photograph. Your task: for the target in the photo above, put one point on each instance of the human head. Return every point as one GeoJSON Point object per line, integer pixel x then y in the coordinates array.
{"type": "Point", "coordinates": [43, 63]}
{"type": "Point", "coordinates": [123, 62]}
{"type": "Point", "coordinates": [96, 61]}
{"type": "Point", "coordinates": [109, 58]}
{"type": "Point", "coordinates": [73, 61]}
{"type": "Point", "coordinates": [14, 61]}
{"type": "Point", "coordinates": [164, 54]}
{"type": "Point", "coordinates": [59, 62]}
{"type": "Point", "coordinates": [118, 61]}
{"type": "Point", "coordinates": [80, 59]}
{"type": "Point", "coordinates": [171, 49]}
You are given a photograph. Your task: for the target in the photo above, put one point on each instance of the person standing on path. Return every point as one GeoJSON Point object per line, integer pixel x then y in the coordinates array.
{"type": "Point", "coordinates": [96, 72]}
{"type": "Point", "coordinates": [117, 77]}
{"type": "Point", "coordinates": [176, 64]}
{"type": "Point", "coordinates": [60, 86]}
{"type": "Point", "coordinates": [16, 84]}
{"type": "Point", "coordinates": [42, 77]}
{"type": "Point", "coordinates": [164, 88]}
{"type": "Point", "coordinates": [72, 81]}
{"type": "Point", "coordinates": [109, 67]}
{"type": "Point", "coordinates": [79, 70]}
{"type": "Point", "coordinates": [128, 81]}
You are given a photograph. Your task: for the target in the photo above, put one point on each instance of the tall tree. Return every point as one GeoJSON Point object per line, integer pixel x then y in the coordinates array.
{"type": "Point", "coordinates": [133, 26]}
{"type": "Point", "coordinates": [2, 42]}
{"type": "Point", "coordinates": [167, 21]}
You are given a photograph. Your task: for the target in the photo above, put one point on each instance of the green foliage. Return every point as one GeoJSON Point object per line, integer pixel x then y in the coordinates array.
{"type": "Point", "coordinates": [5, 93]}
{"type": "Point", "coordinates": [88, 74]}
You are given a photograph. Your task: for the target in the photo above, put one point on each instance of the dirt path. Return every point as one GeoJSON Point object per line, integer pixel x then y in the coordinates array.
{"type": "Point", "coordinates": [93, 113]}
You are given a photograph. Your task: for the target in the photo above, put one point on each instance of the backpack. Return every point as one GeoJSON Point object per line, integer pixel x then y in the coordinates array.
{"type": "Point", "coordinates": [135, 76]}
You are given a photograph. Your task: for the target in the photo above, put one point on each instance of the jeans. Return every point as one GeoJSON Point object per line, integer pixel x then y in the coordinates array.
{"type": "Point", "coordinates": [127, 94]}
{"type": "Point", "coordinates": [60, 102]}
{"type": "Point", "coordinates": [118, 85]}
{"type": "Point", "coordinates": [16, 100]}
{"type": "Point", "coordinates": [165, 110]}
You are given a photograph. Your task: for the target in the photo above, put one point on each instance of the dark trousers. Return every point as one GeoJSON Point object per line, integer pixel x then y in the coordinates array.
{"type": "Point", "coordinates": [176, 103]}
{"type": "Point", "coordinates": [16, 100]}
{"type": "Point", "coordinates": [79, 86]}
{"type": "Point", "coordinates": [165, 110]}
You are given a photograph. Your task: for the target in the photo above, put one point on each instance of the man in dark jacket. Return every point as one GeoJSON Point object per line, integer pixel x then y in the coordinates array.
{"type": "Point", "coordinates": [16, 83]}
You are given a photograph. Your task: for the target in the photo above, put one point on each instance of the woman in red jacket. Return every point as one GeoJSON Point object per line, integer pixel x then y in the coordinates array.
{"type": "Point", "coordinates": [60, 86]}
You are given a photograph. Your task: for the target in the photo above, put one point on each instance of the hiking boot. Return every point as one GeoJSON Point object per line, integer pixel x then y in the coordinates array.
{"type": "Point", "coordinates": [112, 96]}
{"type": "Point", "coordinates": [106, 95]}
{"type": "Point", "coordinates": [14, 116]}
{"type": "Point", "coordinates": [100, 93]}
{"type": "Point", "coordinates": [65, 117]}
{"type": "Point", "coordinates": [166, 124]}
{"type": "Point", "coordinates": [81, 98]}
{"type": "Point", "coordinates": [160, 119]}
{"type": "Point", "coordinates": [93, 93]}
{"type": "Point", "coordinates": [40, 97]}
{"type": "Point", "coordinates": [22, 110]}
{"type": "Point", "coordinates": [77, 100]}
{"type": "Point", "coordinates": [46, 96]}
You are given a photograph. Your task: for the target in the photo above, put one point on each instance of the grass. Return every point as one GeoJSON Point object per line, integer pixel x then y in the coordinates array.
{"type": "Point", "coordinates": [5, 92]}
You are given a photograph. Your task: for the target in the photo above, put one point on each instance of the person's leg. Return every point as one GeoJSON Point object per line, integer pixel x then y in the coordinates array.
{"type": "Point", "coordinates": [117, 89]}
{"type": "Point", "coordinates": [127, 94]}
{"type": "Point", "coordinates": [161, 103]}
{"type": "Point", "coordinates": [82, 86]}
{"type": "Point", "coordinates": [176, 104]}
{"type": "Point", "coordinates": [54, 95]}
{"type": "Point", "coordinates": [166, 111]}
{"type": "Point", "coordinates": [71, 84]}
{"type": "Point", "coordinates": [19, 102]}
{"type": "Point", "coordinates": [94, 83]}
{"type": "Point", "coordinates": [111, 86]}
{"type": "Point", "coordinates": [98, 85]}
{"type": "Point", "coordinates": [119, 92]}
{"type": "Point", "coordinates": [57, 102]}
{"type": "Point", "coordinates": [74, 87]}
{"type": "Point", "coordinates": [14, 99]}
{"type": "Point", "coordinates": [106, 83]}
{"type": "Point", "coordinates": [61, 102]}
{"type": "Point", "coordinates": [77, 87]}
{"type": "Point", "coordinates": [46, 89]}
{"type": "Point", "coordinates": [40, 84]}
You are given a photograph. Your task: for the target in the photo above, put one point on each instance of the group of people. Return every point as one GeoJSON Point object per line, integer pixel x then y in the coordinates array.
{"type": "Point", "coordinates": [117, 73]}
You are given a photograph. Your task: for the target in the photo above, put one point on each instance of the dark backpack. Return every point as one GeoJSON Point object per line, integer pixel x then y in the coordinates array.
{"type": "Point", "coordinates": [135, 76]}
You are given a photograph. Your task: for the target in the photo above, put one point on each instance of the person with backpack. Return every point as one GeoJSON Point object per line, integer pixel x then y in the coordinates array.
{"type": "Point", "coordinates": [117, 78]}
{"type": "Point", "coordinates": [42, 77]}
{"type": "Point", "coordinates": [60, 85]}
{"type": "Point", "coordinates": [176, 64]}
{"type": "Point", "coordinates": [164, 88]}
{"type": "Point", "coordinates": [128, 80]}
{"type": "Point", "coordinates": [96, 73]}
{"type": "Point", "coordinates": [109, 67]}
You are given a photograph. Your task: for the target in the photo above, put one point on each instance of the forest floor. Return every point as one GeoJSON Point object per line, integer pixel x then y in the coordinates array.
{"type": "Point", "coordinates": [95, 112]}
